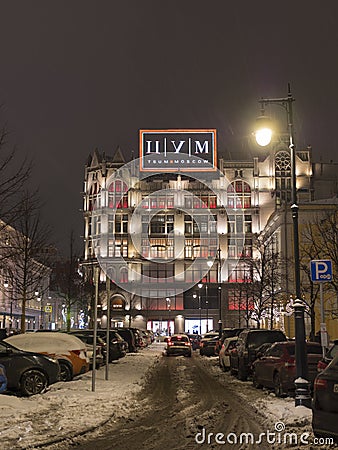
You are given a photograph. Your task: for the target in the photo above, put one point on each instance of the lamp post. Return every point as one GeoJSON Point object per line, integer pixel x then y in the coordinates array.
{"type": "Point", "coordinates": [207, 305]}
{"type": "Point", "coordinates": [168, 324]}
{"type": "Point", "coordinates": [219, 287]}
{"type": "Point", "coordinates": [200, 285]}
{"type": "Point", "coordinates": [263, 138]}
{"type": "Point", "coordinates": [219, 264]}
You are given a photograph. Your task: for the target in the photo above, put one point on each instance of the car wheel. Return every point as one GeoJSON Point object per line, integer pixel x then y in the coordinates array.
{"type": "Point", "coordinates": [255, 382]}
{"type": "Point", "coordinates": [242, 375]}
{"type": "Point", "coordinates": [278, 389]}
{"type": "Point", "coordinates": [33, 382]}
{"type": "Point", "coordinates": [65, 372]}
{"type": "Point", "coordinates": [221, 365]}
{"type": "Point", "coordinates": [233, 371]}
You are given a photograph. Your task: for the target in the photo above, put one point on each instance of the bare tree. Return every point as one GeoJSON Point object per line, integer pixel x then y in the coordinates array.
{"type": "Point", "coordinates": [264, 286]}
{"type": "Point", "coordinates": [13, 177]}
{"type": "Point", "coordinates": [68, 282]}
{"type": "Point", "coordinates": [319, 241]}
{"type": "Point", "coordinates": [28, 261]}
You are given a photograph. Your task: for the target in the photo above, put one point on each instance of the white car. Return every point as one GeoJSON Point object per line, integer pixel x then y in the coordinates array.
{"type": "Point", "coordinates": [69, 350]}
{"type": "Point", "coordinates": [224, 353]}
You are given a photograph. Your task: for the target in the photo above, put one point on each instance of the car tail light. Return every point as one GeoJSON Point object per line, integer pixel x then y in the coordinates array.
{"type": "Point", "coordinates": [170, 343]}
{"type": "Point", "coordinates": [187, 343]}
{"type": "Point", "coordinates": [321, 366]}
{"type": "Point", "coordinates": [290, 363]}
{"type": "Point", "coordinates": [320, 384]}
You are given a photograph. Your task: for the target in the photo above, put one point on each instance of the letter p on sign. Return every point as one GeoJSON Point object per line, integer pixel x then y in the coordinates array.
{"type": "Point", "coordinates": [321, 270]}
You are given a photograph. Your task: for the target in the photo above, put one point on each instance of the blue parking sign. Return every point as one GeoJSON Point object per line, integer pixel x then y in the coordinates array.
{"type": "Point", "coordinates": [321, 270]}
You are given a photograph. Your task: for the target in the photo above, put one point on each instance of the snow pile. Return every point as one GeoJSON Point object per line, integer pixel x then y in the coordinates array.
{"type": "Point", "coordinates": [46, 342]}
{"type": "Point", "coordinates": [70, 408]}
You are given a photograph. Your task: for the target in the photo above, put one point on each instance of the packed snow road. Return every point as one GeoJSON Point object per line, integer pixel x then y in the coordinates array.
{"type": "Point", "coordinates": [156, 402]}
{"type": "Point", "coordinates": [182, 406]}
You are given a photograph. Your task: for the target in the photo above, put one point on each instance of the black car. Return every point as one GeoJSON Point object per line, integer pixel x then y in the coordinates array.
{"type": "Point", "coordinates": [117, 345]}
{"type": "Point", "coordinates": [28, 373]}
{"type": "Point", "coordinates": [325, 402]}
{"type": "Point", "coordinates": [129, 336]}
{"type": "Point", "coordinates": [227, 333]}
{"type": "Point", "coordinates": [195, 340]}
{"type": "Point", "coordinates": [245, 352]}
{"type": "Point", "coordinates": [208, 344]}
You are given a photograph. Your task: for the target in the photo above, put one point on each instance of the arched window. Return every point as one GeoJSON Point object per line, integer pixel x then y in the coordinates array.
{"type": "Point", "coordinates": [124, 275]}
{"type": "Point", "coordinates": [118, 194]}
{"type": "Point", "coordinates": [283, 177]}
{"type": "Point", "coordinates": [239, 195]}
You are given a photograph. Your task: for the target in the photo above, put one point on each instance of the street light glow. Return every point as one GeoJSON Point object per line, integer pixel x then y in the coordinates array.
{"type": "Point", "coordinates": [263, 136]}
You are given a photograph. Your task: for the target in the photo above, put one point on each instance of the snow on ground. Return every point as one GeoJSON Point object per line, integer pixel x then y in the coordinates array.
{"type": "Point", "coordinates": [276, 414]}
{"type": "Point", "coordinates": [72, 407]}
{"type": "Point", "coordinates": [68, 409]}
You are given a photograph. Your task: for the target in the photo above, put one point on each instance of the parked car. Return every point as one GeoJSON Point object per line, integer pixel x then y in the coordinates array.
{"type": "Point", "coordinates": [208, 343]}
{"type": "Point", "coordinates": [27, 373]}
{"type": "Point", "coordinates": [227, 333]}
{"type": "Point", "coordinates": [117, 345]}
{"type": "Point", "coordinates": [178, 344]}
{"type": "Point", "coordinates": [69, 350]}
{"type": "Point", "coordinates": [138, 337]}
{"type": "Point", "coordinates": [330, 354]}
{"type": "Point", "coordinates": [224, 353]}
{"type": "Point", "coordinates": [325, 402]}
{"type": "Point", "coordinates": [88, 339]}
{"type": "Point", "coordinates": [3, 379]}
{"type": "Point", "coordinates": [276, 369]}
{"type": "Point", "coordinates": [195, 340]}
{"type": "Point", "coordinates": [245, 352]}
{"type": "Point", "coordinates": [128, 335]}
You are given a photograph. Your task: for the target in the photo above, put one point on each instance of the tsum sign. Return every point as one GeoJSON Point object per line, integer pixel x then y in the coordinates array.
{"type": "Point", "coordinates": [173, 150]}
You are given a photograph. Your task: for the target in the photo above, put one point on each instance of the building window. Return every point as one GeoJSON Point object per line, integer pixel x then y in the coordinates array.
{"type": "Point", "coordinates": [160, 273]}
{"type": "Point", "coordinates": [282, 177]}
{"type": "Point", "coordinates": [162, 224]}
{"type": "Point", "coordinates": [118, 194]}
{"type": "Point", "coordinates": [239, 195]}
{"type": "Point", "coordinates": [121, 223]}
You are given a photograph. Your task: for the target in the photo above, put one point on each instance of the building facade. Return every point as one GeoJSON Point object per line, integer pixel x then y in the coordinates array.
{"type": "Point", "coordinates": [179, 246]}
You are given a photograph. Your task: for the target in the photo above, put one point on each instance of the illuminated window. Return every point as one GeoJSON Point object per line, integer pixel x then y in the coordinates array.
{"type": "Point", "coordinates": [239, 195]}
{"type": "Point", "coordinates": [283, 177]}
{"type": "Point", "coordinates": [118, 194]}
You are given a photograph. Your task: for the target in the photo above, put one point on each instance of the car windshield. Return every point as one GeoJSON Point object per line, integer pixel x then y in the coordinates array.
{"type": "Point", "coordinates": [258, 338]}
{"type": "Point", "coordinates": [179, 339]}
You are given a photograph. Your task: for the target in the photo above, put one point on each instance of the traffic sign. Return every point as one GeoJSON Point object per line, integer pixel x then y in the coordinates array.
{"type": "Point", "coordinates": [321, 270]}
{"type": "Point", "coordinates": [48, 308]}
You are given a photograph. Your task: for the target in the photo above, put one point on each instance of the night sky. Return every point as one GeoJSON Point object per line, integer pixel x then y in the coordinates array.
{"type": "Point", "coordinates": [81, 74]}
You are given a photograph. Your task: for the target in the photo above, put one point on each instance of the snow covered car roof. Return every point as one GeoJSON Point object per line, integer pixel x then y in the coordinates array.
{"type": "Point", "coordinates": [48, 342]}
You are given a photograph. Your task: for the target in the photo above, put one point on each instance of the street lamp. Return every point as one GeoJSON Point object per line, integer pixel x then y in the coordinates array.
{"type": "Point", "coordinates": [263, 138]}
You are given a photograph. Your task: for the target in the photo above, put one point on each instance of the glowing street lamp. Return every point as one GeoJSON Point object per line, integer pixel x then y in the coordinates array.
{"type": "Point", "coordinates": [263, 137]}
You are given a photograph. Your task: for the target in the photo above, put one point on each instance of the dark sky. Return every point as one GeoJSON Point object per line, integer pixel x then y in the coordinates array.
{"type": "Point", "coordinates": [81, 74]}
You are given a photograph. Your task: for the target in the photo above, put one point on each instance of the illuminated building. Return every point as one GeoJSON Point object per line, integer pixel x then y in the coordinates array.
{"type": "Point", "coordinates": [158, 224]}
